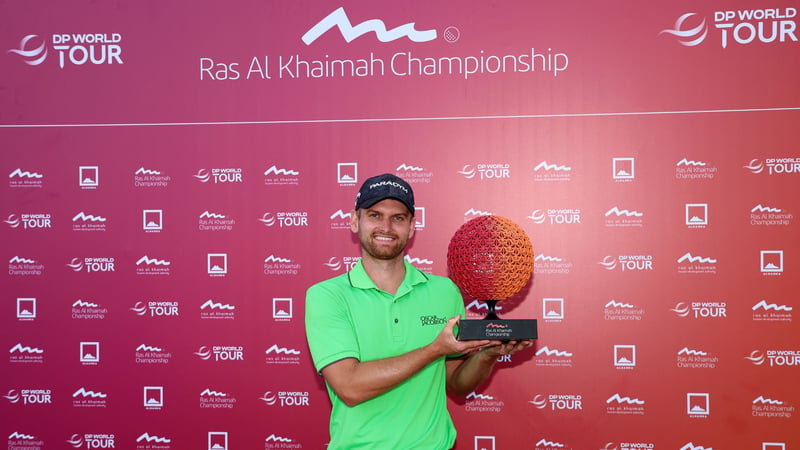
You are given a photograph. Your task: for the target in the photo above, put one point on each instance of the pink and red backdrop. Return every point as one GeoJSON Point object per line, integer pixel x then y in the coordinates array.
{"type": "Point", "coordinates": [178, 174]}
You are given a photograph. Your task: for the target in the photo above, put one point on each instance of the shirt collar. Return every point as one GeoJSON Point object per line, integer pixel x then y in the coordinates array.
{"type": "Point", "coordinates": [359, 279]}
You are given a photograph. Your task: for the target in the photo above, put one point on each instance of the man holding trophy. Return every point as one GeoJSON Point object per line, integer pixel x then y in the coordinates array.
{"type": "Point", "coordinates": [382, 335]}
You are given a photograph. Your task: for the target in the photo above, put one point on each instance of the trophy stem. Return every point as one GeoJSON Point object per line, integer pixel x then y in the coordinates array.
{"type": "Point", "coordinates": [491, 315]}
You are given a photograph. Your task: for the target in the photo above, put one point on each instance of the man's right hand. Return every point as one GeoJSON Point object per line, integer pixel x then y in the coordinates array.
{"type": "Point", "coordinates": [447, 344]}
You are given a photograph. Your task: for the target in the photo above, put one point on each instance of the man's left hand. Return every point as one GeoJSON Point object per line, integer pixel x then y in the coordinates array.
{"type": "Point", "coordinates": [507, 347]}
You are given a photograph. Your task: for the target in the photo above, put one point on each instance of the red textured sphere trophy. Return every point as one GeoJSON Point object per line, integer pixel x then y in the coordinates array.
{"type": "Point", "coordinates": [490, 258]}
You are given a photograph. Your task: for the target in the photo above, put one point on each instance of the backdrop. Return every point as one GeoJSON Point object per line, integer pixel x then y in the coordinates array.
{"type": "Point", "coordinates": [179, 173]}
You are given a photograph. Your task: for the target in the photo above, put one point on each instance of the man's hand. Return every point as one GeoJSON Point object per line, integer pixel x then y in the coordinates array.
{"type": "Point", "coordinates": [507, 347]}
{"type": "Point", "coordinates": [446, 343]}
{"type": "Point", "coordinates": [465, 374]}
{"type": "Point", "coordinates": [495, 348]}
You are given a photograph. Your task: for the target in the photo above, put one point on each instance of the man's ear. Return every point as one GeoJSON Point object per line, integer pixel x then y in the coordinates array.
{"type": "Point", "coordinates": [354, 221]}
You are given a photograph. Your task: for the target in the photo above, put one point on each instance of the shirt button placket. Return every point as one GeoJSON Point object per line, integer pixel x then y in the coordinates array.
{"type": "Point", "coordinates": [395, 315]}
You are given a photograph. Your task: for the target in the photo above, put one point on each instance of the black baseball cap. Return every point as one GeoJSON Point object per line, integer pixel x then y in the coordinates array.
{"type": "Point", "coordinates": [381, 187]}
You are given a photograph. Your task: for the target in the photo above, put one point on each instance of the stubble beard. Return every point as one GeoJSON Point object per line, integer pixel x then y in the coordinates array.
{"type": "Point", "coordinates": [382, 252]}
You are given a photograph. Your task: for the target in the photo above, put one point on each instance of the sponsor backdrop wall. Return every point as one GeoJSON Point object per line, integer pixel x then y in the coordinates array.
{"type": "Point", "coordinates": [177, 174]}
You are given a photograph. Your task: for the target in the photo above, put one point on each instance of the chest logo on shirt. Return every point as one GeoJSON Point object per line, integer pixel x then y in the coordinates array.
{"type": "Point", "coordinates": [432, 320]}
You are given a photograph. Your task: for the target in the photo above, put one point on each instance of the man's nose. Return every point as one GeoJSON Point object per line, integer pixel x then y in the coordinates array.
{"type": "Point", "coordinates": [386, 223]}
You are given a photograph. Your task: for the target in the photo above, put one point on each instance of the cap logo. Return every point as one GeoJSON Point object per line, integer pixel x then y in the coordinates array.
{"type": "Point", "coordinates": [389, 183]}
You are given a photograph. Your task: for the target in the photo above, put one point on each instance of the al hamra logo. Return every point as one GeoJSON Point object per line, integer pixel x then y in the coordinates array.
{"type": "Point", "coordinates": [338, 19]}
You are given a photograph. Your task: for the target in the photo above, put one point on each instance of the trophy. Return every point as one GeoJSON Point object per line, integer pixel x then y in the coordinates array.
{"type": "Point", "coordinates": [490, 258]}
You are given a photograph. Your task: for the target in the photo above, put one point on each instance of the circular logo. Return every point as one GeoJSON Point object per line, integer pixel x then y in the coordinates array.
{"type": "Point", "coordinates": [451, 34]}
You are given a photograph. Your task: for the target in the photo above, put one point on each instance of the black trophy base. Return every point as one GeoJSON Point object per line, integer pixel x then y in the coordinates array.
{"type": "Point", "coordinates": [497, 329]}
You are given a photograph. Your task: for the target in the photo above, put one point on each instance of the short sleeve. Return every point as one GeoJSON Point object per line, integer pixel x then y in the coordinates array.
{"type": "Point", "coordinates": [329, 327]}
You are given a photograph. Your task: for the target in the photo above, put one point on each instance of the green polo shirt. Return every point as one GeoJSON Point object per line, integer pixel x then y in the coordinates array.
{"type": "Point", "coordinates": [349, 317]}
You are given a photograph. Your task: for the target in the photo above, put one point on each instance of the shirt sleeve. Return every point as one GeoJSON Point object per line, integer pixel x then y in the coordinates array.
{"type": "Point", "coordinates": [329, 328]}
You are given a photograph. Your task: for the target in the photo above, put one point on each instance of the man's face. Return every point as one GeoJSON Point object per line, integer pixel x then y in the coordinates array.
{"type": "Point", "coordinates": [383, 229]}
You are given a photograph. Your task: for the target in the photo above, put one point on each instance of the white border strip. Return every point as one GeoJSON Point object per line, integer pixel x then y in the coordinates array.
{"type": "Point", "coordinates": [395, 119]}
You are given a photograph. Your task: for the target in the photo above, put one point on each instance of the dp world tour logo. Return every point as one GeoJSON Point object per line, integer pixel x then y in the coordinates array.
{"type": "Point", "coordinates": [90, 265]}
{"type": "Point", "coordinates": [285, 399]}
{"type": "Point", "coordinates": [30, 396]}
{"type": "Point", "coordinates": [688, 34]}
{"type": "Point", "coordinates": [558, 402]}
{"type": "Point", "coordinates": [790, 165]}
{"type": "Point", "coordinates": [29, 221]}
{"type": "Point", "coordinates": [627, 263]}
{"type": "Point", "coordinates": [72, 49]}
{"type": "Point", "coordinates": [338, 19]}
{"type": "Point", "coordinates": [104, 440]}
{"type": "Point", "coordinates": [344, 263]}
{"type": "Point", "coordinates": [486, 171]}
{"type": "Point", "coordinates": [221, 353]}
{"type": "Point", "coordinates": [30, 53]}
{"type": "Point", "coordinates": [744, 26]}
{"type": "Point", "coordinates": [775, 358]}
{"type": "Point", "coordinates": [220, 175]}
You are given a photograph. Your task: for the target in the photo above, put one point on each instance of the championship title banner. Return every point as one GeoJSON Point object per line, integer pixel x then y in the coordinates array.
{"type": "Point", "coordinates": [539, 52]}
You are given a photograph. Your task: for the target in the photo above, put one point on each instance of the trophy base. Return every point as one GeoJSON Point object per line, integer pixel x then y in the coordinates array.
{"type": "Point", "coordinates": [497, 329]}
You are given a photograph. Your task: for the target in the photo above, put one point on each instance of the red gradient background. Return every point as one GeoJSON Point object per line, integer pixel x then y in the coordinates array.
{"type": "Point", "coordinates": [470, 146]}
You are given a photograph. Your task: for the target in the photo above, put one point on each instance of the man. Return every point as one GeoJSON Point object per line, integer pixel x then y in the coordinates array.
{"type": "Point", "coordinates": [382, 335]}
